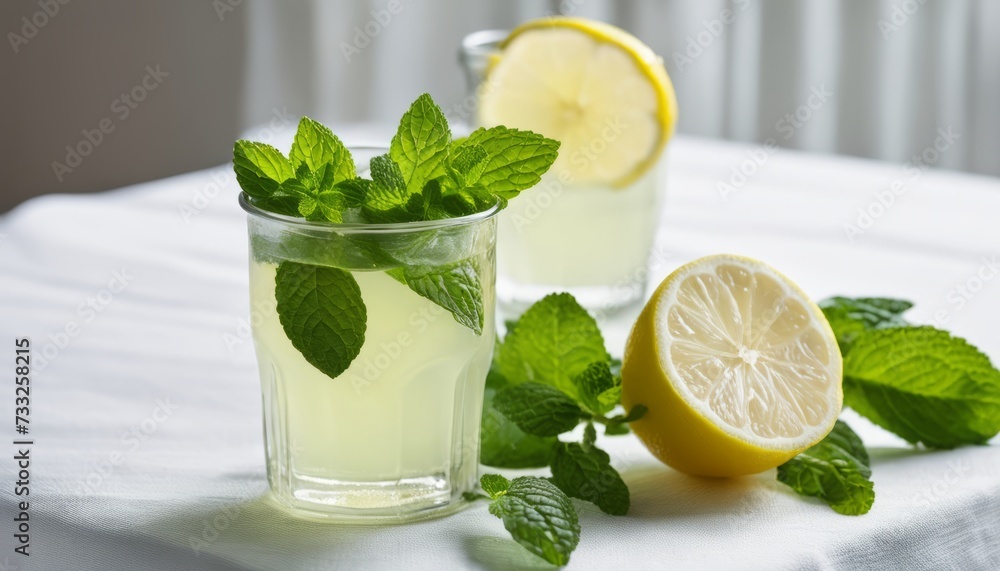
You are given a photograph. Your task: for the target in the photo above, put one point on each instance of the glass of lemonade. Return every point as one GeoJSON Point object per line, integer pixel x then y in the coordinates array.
{"type": "Point", "coordinates": [582, 229]}
{"type": "Point", "coordinates": [395, 436]}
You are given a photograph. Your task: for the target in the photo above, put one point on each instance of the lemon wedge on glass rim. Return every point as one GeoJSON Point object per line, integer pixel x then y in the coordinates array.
{"type": "Point", "coordinates": [738, 368]}
{"type": "Point", "coordinates": [594, 87]}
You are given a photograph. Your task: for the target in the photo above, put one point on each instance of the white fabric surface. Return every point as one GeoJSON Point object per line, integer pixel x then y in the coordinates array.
{"type": "Point", "coordinates": [178, 332]}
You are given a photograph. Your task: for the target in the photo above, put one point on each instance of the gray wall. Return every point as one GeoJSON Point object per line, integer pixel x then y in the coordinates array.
{"type": "Point", "coordinates": [70, 75]}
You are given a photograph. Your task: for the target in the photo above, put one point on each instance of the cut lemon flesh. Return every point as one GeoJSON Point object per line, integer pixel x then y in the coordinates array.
{"type": "Point", "coordinates": [739, 369]}
{"type": "Point", "coordinates": [595, 88]}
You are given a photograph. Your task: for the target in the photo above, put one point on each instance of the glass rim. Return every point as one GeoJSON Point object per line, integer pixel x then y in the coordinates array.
{"type": "Point", "coordinates": [364, 227]}
{"type": "Point", "coordinates": [483, 40]}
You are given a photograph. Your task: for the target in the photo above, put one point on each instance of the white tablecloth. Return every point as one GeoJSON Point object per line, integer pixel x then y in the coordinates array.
{"type": "Point", "coordinates": [163, 350]}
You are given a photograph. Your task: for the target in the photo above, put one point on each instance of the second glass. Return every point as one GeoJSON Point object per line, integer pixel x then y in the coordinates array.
{"type": "Point", "coordinates": [591, 240]}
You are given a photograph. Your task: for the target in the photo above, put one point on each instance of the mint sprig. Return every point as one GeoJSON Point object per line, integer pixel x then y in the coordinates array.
{"type": "Point", "coordinates": [562, 377]}
{"type": "Point", "coordinates": [918, 382]}
{"type": "Point", "coordinates": [424, 176]}
{"type": "Point", "coordinates": [923, 385]}
{"type": "Point", "coordinates": [835, 470]}
{"type": "Point", "coordinates": [537, 514]}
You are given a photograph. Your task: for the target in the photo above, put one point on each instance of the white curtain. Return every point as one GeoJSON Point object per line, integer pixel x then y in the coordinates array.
{"type": "Point", "coordinates": [874, 78]}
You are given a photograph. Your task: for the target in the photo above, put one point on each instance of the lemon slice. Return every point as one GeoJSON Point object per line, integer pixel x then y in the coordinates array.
{"type": "Point", "coordinates": [740, 371]}
{"type": "Point", "coordinates": [594, 87]}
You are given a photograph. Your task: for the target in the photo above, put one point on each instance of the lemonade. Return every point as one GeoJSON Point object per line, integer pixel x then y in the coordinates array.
{"type": "Point", "coordinates": [545, 246]}
{"type": "Point", "coordinates": [399, 427]}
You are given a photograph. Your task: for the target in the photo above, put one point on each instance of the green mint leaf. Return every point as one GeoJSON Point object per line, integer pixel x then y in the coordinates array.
{"type": "Point", "coordinates": [597, 388]}
{"type": "Point", "coordinates": [585, 472]}
{"type": "Point", "coordinates": [387, 174]}
{"type": "Point", "coordinates": [319, 199]}
{"type": "Point", "coordinates": [328, 205]}
{"type": "Point", "coordinates": [851, 316]}
{"type": "Point", "coordinates": [420, 146]}
{"type": "Point", "coordinates": [455, 287]}
{"type": "Point", "coordinates": [539, 409]}
{"type": "Point", "coordinates": [835, 470]}
{"type": "Point", "coordinates": [387, 200]}
{"type": "Point", "coordinates": [589, 435]}
{"type": "Point", "coordinates": [318, 148]}
{"type": "Point", "coordinates": [456, 203]}
{"type": "Point", "coordinates": [467, 164]}
{"type": "Point", "coordinates": [494, 484]}
{"type": "Point", "coordinates": [540, 517]}
{"type": "Point", "coordinates": [517, 159]}
{"type": "Point", "coordinates": [554, 342]}
{"type": "Point", "coordinates": [502, 443]}
{"type": "Point", "coordinates": [924, 385]}
{"type": "Point", "coordinates": [261, 170]}
{"type": "Point", "coordinates": [637, 412]}
{"type": "Point", "coordinates": [616, 429]}
{"type": "Point", "coordinates": [355, 191]}
{"type": "Point", "coordinates": [322, 313]}
{"type": "Point", "coordinates": [610, 398]}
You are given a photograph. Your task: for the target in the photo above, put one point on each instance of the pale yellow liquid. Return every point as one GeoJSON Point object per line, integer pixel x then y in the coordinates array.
{"type": "Point", "coordinates": [407, 408]}
{"type": "Point", "coordinates": [558, 237]}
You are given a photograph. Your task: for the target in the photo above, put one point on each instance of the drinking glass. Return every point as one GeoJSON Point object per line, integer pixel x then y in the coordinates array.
{"type": "Point", "coordinates": [396, 435]}
{"type": "Point", "coordinates": [592, 240]}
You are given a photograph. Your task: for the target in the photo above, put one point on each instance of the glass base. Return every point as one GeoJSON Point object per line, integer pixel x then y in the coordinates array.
{"type": "Point", "coordinates": [515, 298]}
{"type": "Point", "coordinates": [381, 502]}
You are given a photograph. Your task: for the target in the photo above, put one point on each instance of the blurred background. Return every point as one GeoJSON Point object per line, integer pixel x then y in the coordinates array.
{"type": "Point", "coordinates": [143, 90]}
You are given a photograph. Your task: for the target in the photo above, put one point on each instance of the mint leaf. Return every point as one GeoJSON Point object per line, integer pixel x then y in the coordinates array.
{"type": "Point", "coordinates": [597, 388]}
{"type": "Point", "coordinates": [467, 164]}
{"type": "Point", "coordinates": [835, 470]}
{"type": "Point", "coordinates": [355, 191]}
{"type": "Point", "coordinates": [261, 171]}
{"type": "Point", "coordinates": [554, 342]}
{"type": "Point", "coordinates": [328, 205]}
{"type": "Point", "coordinates": [924, 385]}
{"type": "Point", "coordinates": [539, 516]}
{"type": "Point", "coordinates": [319, 199]}
{"type": "Point", "coordinates": [456, 203]}
{"type": "Point", "coordinates": [637, 412]}
{"type": "Point", "coordinates": [539, 409]}
{"type": "Point", "coordinates": [303, 186]}
{"type": "Point", "coordinates": [502, 443]}
{"type": "Point", "coordinates": [322, 313]}
{"type": "Point", "coordinates": [420, 146]}
{"type": "Point", "coordinates": [851, 316]}
{"type": "Point", "coordinates": [387, 200]}
{"type": "Point", "coordinates": [616, 429]}
{"type": "Point", "coordinates": [494, 485]}
{"type": "Point", "coordinates": [584, 471]}
{"type": "Point", "coordinates": [455, 287]}
{"type": "Point", "coordinates": [318, 148]}
{"type": "Point", "coordinates": [517, 159]}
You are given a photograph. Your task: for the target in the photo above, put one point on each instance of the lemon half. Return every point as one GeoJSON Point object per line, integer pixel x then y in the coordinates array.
{"type": "Point", "coordinates": [739, 369]}
{"type": "Point", "coordinates": [592, 86]}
